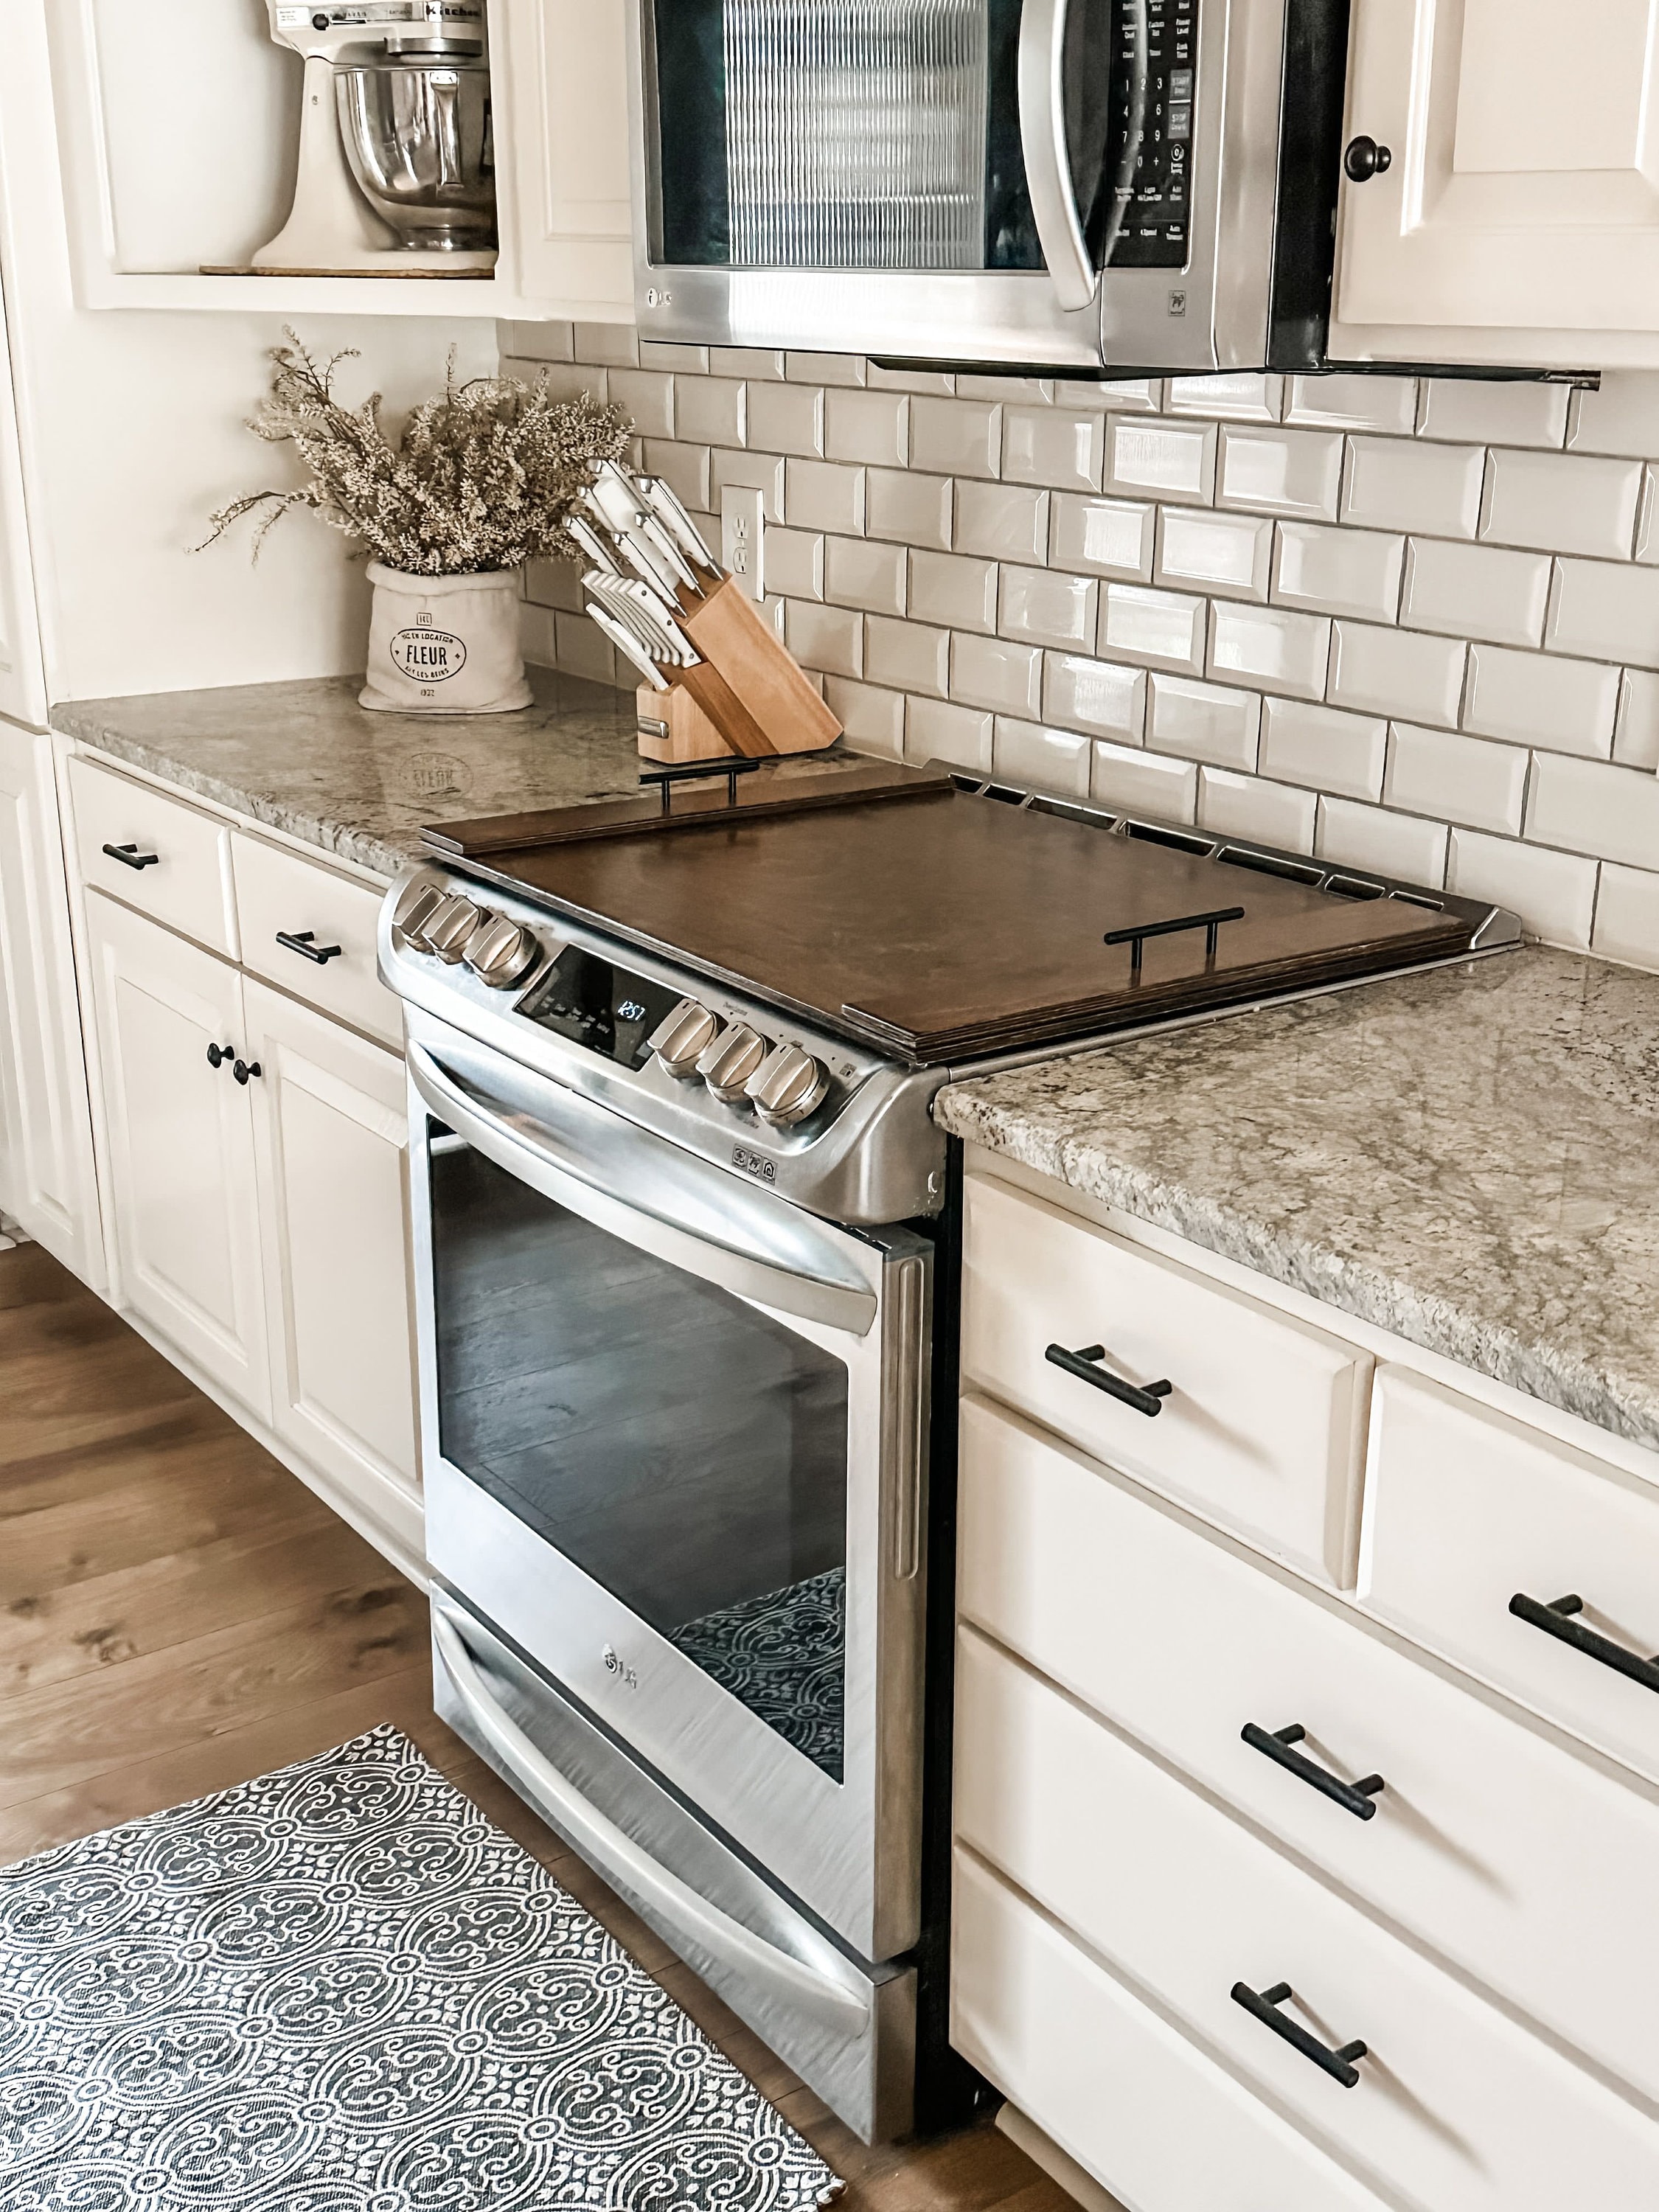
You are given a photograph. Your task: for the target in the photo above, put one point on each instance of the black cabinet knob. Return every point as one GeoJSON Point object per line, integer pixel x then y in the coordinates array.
{"type": "Point", "coordinates": [244, 1069]}
{"type": "Point", "coordinates": [1365, 158]}
{"type": "Point", "coordinates": [219, 1054]}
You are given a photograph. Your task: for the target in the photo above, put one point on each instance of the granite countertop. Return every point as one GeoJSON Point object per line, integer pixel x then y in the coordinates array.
{"type": "Point", "coordinates": [1468, 1158]}
{"type": "Point", "coordinates": [306, 758]}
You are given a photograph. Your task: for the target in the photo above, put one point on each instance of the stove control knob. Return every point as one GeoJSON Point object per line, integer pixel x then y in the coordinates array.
{"type": "Point", "coordinates": [415, 910]}
{"type": "Point", "coordinates": [500, 952]}
{"type": "Point", "coordinates": [449, 931]}
{"type": "Point", "coordinates": [787, 1087]}
{"type": "Point", "coordinates": [683, 1039]}
{"type": "Point", "coordinates": [732, 1061]}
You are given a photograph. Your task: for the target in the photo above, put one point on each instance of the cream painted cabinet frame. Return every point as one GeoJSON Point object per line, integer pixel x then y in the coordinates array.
{"type": "Point", "coordinates": [1517, 222]}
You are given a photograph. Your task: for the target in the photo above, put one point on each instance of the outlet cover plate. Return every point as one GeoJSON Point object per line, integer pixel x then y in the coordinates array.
{"type": "Point", "coordinates": [743, 537]}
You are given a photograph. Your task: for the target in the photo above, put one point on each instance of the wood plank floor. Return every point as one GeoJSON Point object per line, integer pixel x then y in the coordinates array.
{"type": "Point", "coordinates": [178, 1612]}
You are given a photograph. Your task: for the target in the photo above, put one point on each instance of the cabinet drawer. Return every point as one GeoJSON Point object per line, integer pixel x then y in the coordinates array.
{"type": "Point", "coordinates": [1455, 2107]}
{"type": "Point", "coordinates": [1155, 2121]}
{"type": "Point", "coordinates": [1470, 1510]}
{"type": "Point", "coordinates": [1262, 1430]}
{"type": "Point", "coordinates": [282, 895]}
{"type": "Point", "coordinates": [1529, 1867]}
{"type": "Point", "coordinates": [185, 883]}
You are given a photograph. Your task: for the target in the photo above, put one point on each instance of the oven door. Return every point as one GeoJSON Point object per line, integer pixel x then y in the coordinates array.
{"type": "Point", "coordinates": [674, 1448]}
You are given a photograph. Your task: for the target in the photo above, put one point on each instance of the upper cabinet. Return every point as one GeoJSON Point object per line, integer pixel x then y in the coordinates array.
{"type": "Point", "coordinates": [178, 127]}
{"type": "Point", "coordinates": [1516, 220]}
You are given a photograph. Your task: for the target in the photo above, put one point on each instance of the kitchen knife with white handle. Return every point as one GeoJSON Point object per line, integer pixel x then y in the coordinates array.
{"type": "Point", "coordinates": [627, 647]}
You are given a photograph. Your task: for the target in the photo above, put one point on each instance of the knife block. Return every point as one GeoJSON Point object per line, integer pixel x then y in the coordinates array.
{"type": "Point", "coordinates": [748, 694]}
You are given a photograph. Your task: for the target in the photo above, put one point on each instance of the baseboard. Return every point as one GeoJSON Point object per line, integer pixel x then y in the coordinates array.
{"type": "Point", "coordinates": [1060, 2166]}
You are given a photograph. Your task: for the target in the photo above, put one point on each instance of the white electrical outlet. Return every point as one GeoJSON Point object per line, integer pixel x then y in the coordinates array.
{"type": "Point", "coordinates": [743, 537]}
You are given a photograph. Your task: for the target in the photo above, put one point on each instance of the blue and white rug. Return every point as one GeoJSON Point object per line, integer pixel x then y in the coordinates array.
{"type": "Point", "coordinates": [340, 1989]}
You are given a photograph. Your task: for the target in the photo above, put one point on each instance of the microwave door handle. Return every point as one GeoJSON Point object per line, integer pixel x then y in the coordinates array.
{"type": "Point", "coordinates": [817, 1991]}
{"type": "Point", "coordinates": [1042, 79]}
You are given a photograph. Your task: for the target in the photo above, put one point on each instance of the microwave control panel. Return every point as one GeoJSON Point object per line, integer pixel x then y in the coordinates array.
{"type": "Point", "coordinates": [1156, 227]}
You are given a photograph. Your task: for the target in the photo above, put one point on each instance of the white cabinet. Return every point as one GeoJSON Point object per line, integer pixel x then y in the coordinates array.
{"type": "Point", "coordinates": [561, 73]}
{"type": "Point", "coordinates": [23, 675]}
{"type": "Point", "coordinates": [186, 1227]}
{"type": "Point", "coordinates": [331, 1129]}
{"type": "Point", "coordinates": [1518, 220]}
{"type": "Point", "coordinates": [47, 1182]}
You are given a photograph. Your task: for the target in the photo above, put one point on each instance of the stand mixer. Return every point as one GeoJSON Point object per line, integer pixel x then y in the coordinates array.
{"type": "Point", "coordinates": [396, 165]}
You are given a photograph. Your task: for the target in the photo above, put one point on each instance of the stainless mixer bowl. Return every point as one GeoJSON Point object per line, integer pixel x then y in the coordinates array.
{"type": "Point", "coordinates": [415, 119]}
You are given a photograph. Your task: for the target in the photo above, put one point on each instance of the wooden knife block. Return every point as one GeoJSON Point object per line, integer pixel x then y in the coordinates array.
{"type": "Point", "coordinates": [748, 694]}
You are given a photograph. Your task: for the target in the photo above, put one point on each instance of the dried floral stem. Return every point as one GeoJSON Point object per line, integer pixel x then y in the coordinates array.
{"type": "Point", "coordinates": [484, 476]}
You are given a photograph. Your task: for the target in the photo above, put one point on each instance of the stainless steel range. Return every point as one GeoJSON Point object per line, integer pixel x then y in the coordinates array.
{"type": "Point", "coordinates": [685, 1239]}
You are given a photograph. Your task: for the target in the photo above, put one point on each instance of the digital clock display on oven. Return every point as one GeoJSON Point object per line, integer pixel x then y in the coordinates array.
{"type": "Point", "coordinates": [599, 1004]}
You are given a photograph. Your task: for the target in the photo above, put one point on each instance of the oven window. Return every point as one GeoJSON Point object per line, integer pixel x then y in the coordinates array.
{"type": "Point", "coordinates": [684, 1449]}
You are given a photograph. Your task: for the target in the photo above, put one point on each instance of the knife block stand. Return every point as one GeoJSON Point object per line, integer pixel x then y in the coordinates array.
{"type": "Point", "coordinates": [748, 694]}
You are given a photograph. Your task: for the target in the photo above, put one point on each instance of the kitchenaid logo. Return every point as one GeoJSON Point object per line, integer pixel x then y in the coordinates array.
{"type": "Point", "coordinates": [753, 1164]}
{"type": "Point", "coordinates": [427, 656]}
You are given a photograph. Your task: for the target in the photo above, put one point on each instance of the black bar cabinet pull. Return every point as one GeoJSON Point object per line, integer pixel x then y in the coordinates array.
{"type": "Point", "coordinates": [1554, 1619]}
{"type": "Point", "coordinates": [1263, 2005]}
{"type": "Point", "coordinates": [130, 857]}
{"type": "Point", "coordinates": [219, 1054]}
{"type": "Point", "coordinates": [244, 1068]}
{"type": "Point", "coordinates": [1355, 1797]}
{"type": "Point", "coordinates": [304, 942]}
{"type": "Point", "coordinates": [1085, 1364]}
{"type": "Point", "coordinates": [1209, 923]}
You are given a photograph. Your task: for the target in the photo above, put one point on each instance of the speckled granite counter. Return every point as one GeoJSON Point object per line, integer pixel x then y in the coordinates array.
{"type": "Point", "coordinates": [306, 758]}
{"type": "Point", "coordinates": [1468, 1158]}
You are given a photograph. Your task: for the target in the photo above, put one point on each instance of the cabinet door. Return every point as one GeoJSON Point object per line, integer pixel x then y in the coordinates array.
{"type": "Point", "coordinates": [330, 1125]}
{"type": "Point", "coordinates": [22, 675]}
{"type": "Point", "coordinates": [180, 1145]}
{"type": "Point", "coordinates": [46, 1177]}
{"type": "Point", "coordinates": [1522, 203]}
{"type": "Point", "coordinates": [563, 65]}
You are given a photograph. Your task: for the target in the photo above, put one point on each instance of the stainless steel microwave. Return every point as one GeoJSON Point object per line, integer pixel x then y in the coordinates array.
{"type": "Point", "coordinates": [1097, 185]}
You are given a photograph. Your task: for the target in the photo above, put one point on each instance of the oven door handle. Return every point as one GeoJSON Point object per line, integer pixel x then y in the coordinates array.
{"type": "Point", "coordinates": [842, 2004]}
{"type": "Point", "coordinates": [532, 1152]}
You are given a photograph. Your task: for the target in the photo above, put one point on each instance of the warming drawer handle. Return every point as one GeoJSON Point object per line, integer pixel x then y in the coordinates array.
{"type": "Point", "coordinates": [1085, 1366]}
{"type": "Point", "coordinates": [1356, 1797]}
{"type": "Point", "coordinates": [1554, 1619]}
{"type": "Point", "coordinates": [612, 1853]}
{"type": "Point", "coordinates": [130, 857]}
{"type": "Point", "coordinates": [1263, 2005]}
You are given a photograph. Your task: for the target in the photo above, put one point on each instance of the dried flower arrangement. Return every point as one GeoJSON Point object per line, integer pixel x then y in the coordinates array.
{"type": "Point", "coordinates": [481, 478]}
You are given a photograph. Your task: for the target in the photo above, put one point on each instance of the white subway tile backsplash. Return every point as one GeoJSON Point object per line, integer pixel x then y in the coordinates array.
{"type": "Point", "coordinates": [1324, 749]}
{"type": "Point", "coordinates": [873, 719]}
{"type": "Point", "coordinates": [826, 369]}
{"type": "Point", "coordinates": [683, 468]}
{"type": "Point", "coordinates": [825, 496]}
{"type": "Point", "coordinates": [935, 384]}
{"type": "Point", "coordinates": [539, 342]}
{"type": "Point", "coordinates": [1143, 783]}
{"type": "Point", "coordinates": [1382, 843]}
{"type": "Point", "coordinates": [1494, 414]}
{"type": "Point", "coordinates": [793, 563]}
{"type": "Point", "coordinates": [1200, 550]}
{"type": "Point", "coordinates": [910, 508]}
{"type": "Point", "coordinates": [951, 589]}
{"type": "Point", "coordinates": [1594, 807]}
{"type": "Point", "coordinates": [1339, 572]}
{"type": "Point", "coordinates": [1397, 673]}
{"type": "Point", "coordinates": [1053, 446]}
{"type": "Point", "coordinates": [1004, 522]}
{"type": "Point", "coordinates": [1467, 779]}
{"type": "Point", "coordinates": [1541, 699]}
{"type": "Point", "coordinates": [1353, 403]}
{"type": "Point", "coordinates": [1414, 487]}
{"type": "Point", "coordinates": [994, 672]}
{"type": "Point", "coordinates": [762, 472]}
{"type": "Point", "coordinates": [1647, 519]}
{"type": "Point", "coordinates": [862, 572]}
{"type": "Point", "coordinates": [1627, 916]}
{"type": "Point", "coordinates": [786, 418]}
{"type": "Point", "coordinates": [1475, 591]}
{"type": "Point", "coordinates": [1605, 611]}
{"type": "Point", "coordinates": [1013, 389]}
{"type": "Point", "coordinates": [1271, 647]}
{"type": "Point", "coordinates": [1111, 537]}
{"type": "Point", "coordinates": [1120, 394]}
{"type": "Point", "coordinates": [751, 362]}
{"type": "Point", "coordinates": [1097, 696]}
{"type": "Point", "coordinates": [1234, 397]}
{"type": "Point", "coordinates": [646, 395]}
{"type": "Point", "coordinates": [1042, 759]}
{"type": "Point", "coordinates": [616, 344]}
{"type": "Point", "coordinates": [956, 437]}
{"type": "Point", "coordinates": [1554, 893]}
{"type": "Point", "coordinates": [1291, 472]}
{"type": "Point", "coordinates": [1163, 461]}
{"type": "Point", "coordinates": [1636, 736]}
{"type": "Point", "coordinates": [867, 426]}
{"type": "Point", "coordinates": [828, 639]}
{"type": "Point", "coordinates": [556, 584]}
{"type": "Point", "coordinates": [935, 731]}
{"type": "Point", "coordinates": [1251, 806]}
{"type": "Point", "coordinates": [655, 355]}
{"type": "Point", "coordinates": [1164, 629]}
{"type": "Point", "coordinates": [1204, 721]}
{"type": "Point", "coordinates": [1622, 417]}
{"type": "Point", "coordinates": [561, 379]}
{"type": "Point", "coordinates": [1564, 502]}
{"type": "Point", "coordinates": [1048, 607]}
{"type": "Point", "coordinates": [581, 647]}
{"type": "Point", "coordinates": [907, 655]}
{"type": "Point", "coordinates": [709, 411]}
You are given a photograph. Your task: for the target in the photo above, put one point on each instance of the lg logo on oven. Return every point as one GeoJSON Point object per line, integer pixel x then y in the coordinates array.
{"type": "Point", "coordinates": [617, 1665]}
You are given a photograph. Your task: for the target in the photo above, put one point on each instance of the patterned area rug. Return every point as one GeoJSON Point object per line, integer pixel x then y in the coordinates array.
{"type": "Point", "coordinates": [784, 1655]}
{"type": "Point", "coordinates": [339, 1989]}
